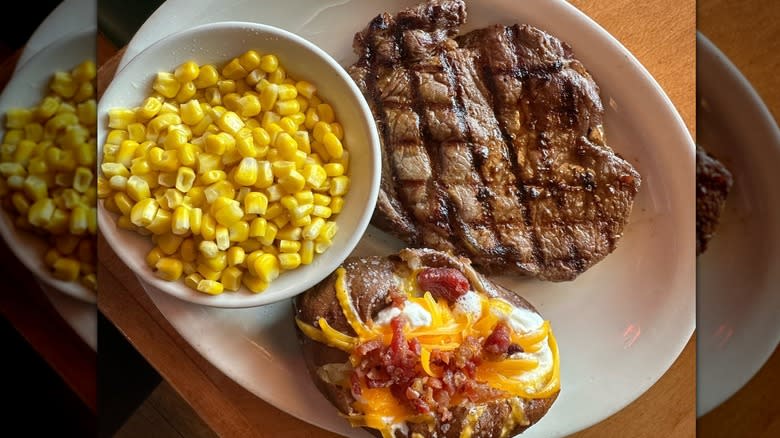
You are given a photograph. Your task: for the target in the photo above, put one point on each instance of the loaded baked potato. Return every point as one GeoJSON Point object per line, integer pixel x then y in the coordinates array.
{"type": "Point", "coordinates": [421, 345]}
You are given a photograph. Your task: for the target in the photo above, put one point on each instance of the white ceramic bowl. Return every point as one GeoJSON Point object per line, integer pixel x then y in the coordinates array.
{"type": "Point", "coordinates": [26, 89]}
{"type": "Point", "coordinates": [217, 43]}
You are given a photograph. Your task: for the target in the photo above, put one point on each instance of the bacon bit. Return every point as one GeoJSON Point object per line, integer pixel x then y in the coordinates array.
{"type": "Point", "coordinates": [354, 381]}
{"type": "Point", "coordinates": [514, 348]}
{"type": "Point", "coordinates": [367, 347]}
{"type": "Point", "coordinates": [447, 283]}
{"type": "Point", "coordinates": [497, 343]}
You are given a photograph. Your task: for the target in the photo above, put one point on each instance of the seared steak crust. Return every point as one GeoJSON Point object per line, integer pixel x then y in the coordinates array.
{"type": "Point", "coordinates": [493, 144]}
{"type": "Point", "coordinates": [713, 182]}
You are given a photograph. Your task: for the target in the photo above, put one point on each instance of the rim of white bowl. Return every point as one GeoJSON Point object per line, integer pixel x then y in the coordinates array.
{"type": "Point", "coordinates": [333, 260]}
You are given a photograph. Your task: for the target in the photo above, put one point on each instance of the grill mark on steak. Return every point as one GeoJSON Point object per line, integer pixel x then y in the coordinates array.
{"type": "Point", "coordinates": [439, 206]}
{"type": "Point", "coordinates": [489, 77]}
{"type": "Point", "coordinates": [513, 169]}
{"type": "Point", "coordinates": [495, 249]}
{"type": "Point", "coordinates": [364, 74]}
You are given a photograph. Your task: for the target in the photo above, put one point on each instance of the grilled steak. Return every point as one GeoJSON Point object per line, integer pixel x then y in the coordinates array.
{"type": "Point", "coordinates": [713, 182]}
{"type": "Point", "coordinates": [493, 144]}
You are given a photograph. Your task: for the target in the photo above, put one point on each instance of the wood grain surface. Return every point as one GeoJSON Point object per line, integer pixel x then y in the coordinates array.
{"type": "Point", "coordinates": [661, 34]}
{"type": "Point", "coordinates": [749, 34]}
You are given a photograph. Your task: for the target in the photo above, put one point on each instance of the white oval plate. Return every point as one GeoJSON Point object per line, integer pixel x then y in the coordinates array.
{"type": "Point", "coordinates": [620, 325]}
{"type": "Point", "coordinates": [738, 327]}
{"type": "Point", "coordinates": [26, 89]}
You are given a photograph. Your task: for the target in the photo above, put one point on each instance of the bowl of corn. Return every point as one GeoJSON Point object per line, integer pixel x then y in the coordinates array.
{"type": "Point", "coordinates": [239, 164]}
{"type": "Point", "coordinates": [47, 162]}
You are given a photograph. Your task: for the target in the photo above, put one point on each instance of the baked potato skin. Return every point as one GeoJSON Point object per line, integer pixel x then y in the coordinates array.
{"type": "Point", "coordinates": [370, 281]}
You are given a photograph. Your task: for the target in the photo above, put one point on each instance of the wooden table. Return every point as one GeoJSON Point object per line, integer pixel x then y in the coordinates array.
{"type": "Point", "coordinates": [660, 34]}
{"type": "Point", "coordinates": [748, 33]}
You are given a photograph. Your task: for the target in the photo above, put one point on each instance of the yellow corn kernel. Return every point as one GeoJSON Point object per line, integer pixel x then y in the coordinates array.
{"type": "Point", "coordinates": [208, 162]}
{"type": "Point", "coordinates": [50, 257]}
{"type": "Point", "coordinates": [314, 175]}
{"type": "Point", "coordinates": [289, 233]}
{"type": "Point", "coordinates": [234, 70]}
{"type": "Point", "coordinates": [166, 84]}
{"type": "Point", "coordinates": [312, 231]}
{"type": "Point", "coordinates": [339, 186]}
{"type": "Point", "coordinates": [138, 188]}
{"type": "Point", "coordinates": [82, 179]}
{"type": "Point", "coordinates": [287, 92]}
{"type": "Point", "coordinates": [267, 267]}
{"type": "Point", "coordinates": [277, 76]}
{"type": "Point", "coordinates": [66, 269]}
{"type": "Point", "coordinates": [40, 213]}
{"type": "Point", "coordinates": [161, 224]}
{"type": "Point", "coordinates": [20, 203]}
{"type": "Point", "coordinates": [268, 96]}
{"type": "Point", "coordinates": [188, 251]}
{"type": "Point", "coordinates": [208, 249]}
{"type": "Point", "coordinates": [185, 178]}
{"type": "Point", "coordinates": [336, 204]}
{"type": "Point", "coordinates": [307, 89]}
{"type": "Point", "coordinates": [269, 63]}
{"type": "Point", "coordinates": [207, 272]}
{"type": "Point", "coordinates": [186, 92]}
{"type": "Point", "coordinates": [334, 169]}
{"type": "Point", "coordinates": [258, 227]}
{"type": "Point", "coordinates": [207, 76]}
{"type": "Point", "coordinates": [208, 228]}
{"type": "Point", "coordinates": [169, 268]}
{"type": "Point", "coordinates": [169, 243]}
{"type": "Point", "coordinates": [192, 280]}
{"type": "Point", "coordinates": [35, 187]}
{"type": "Point", "coordinates": [196, 220]}
{"type": "Point", "coordinates": [191, 112]}
{"type": "Point", "coordinates": [321, 211]}
{"type": "Point", "coordinates": [307, 252]}
{"type": "Point", "coordinates": [222, 237]}
{"type": "Point", "coordinates": [230, 122]}
{"type": "Point", "coordinates": [235, 255]}
{"type": "Point", "coordinates": [333, 145]}
{"type": "Point", "coordinates": [255, 203]}
{"type": "Point", "coordinates": [254, 283]}
{"type": "Point", "coordinates": [62, 83]}
{"type": "Point", "coordinates": [180, 223]}
{"type": "Point", "coordinates": [312, 118]}
{"type": "Point", "coordinates": [289, 260]}
{"type": "Point", "coordinates": [78, 220]}
{"type": "Point", "coordinates": [288, 125]}
{"type": "Point", "coordinates": [231, 278]}
{"type": "Point", "coordinates": [287, 107]}
{"type": "Point", "coordinates": [143, 212]}
{"type": "Point", "coordinates": [216, 263]}
{"type": "Point", "coordinates": [186, 71]}
{"type": "Point", "coordinates": [122, 201]}
{"type": "Point", "coordinates": [213, 96]}
{"type": "Point", "coordinates": [211, 287]}
{"type": "Point", "coordinates": [239, 231]}
{"type": "Point", "coordinates": [246, 172]}
{"type": "Point", "coordinates": [249, 106]}
{"type": "Point", "coordinates": [150, 107]}
{"type": "Point", "coordinates": [289, 246]}
{"type": "Point", "coordinates": [245, 143]}
{"type": "Point", "coordinates": [175, 139]}
{"type": "Point", "coordinates": [166, 179]}
{"type": "Point", "coordinates": [294, 182]}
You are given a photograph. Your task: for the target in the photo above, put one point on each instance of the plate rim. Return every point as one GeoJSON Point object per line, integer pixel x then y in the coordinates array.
{"type": "Point", "coordinates": [681, 131]}
{"type": "Point", "coordinates": [714, 56]}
